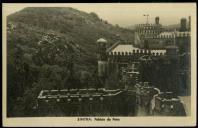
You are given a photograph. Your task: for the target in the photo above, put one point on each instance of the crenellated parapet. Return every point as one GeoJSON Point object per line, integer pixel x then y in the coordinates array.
{"type": "Point", "coordinates": [134, 54]}
{"type": "Point", "coordinates": [76, 95]}
{"type": "Point", "coordinates": [183, 34]}
{"type": "Point", "coordinates": [139, 52]}
{"type": "Point", "coordinates": [153, 36]}
{"type": "Point", "coordinates": [147, 26]}
{"type": "Point", "coordinates": [82, 102]}
{"type": "Point", "coordinates": [149, 29]}
{"type": "Point", "coordinates": [164, 37]}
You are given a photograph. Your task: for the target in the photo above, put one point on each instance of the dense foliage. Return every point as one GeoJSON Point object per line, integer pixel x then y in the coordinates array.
{"type": "Point", "coordinates": [53, 48]}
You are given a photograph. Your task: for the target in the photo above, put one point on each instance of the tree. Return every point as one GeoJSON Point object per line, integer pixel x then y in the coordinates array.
{"type": "Point", "coordinates": [95, 16]}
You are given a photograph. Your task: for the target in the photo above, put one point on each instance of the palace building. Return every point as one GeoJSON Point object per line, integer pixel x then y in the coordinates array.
{"type": "Point", "coordinates": [154, 36]}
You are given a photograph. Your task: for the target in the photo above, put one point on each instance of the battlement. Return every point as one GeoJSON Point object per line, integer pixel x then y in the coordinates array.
{"type": "Point", "coordinates": [139, 52]}
{"type": "Point", "coordinates": [77, 94]}
{"type": "Point", "coordinates": [165, 35]}
{"type": "Point", "coordinates": [168, 35]}
{"type": "Point", "coordinates": [83, 102]}
{"type": "Point", "coordinates": [145, 26]}
{"type": "Point", "coordinates": [183, 34]}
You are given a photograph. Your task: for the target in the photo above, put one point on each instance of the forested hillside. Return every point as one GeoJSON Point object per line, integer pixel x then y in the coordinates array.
{"type": "Point", "coordinates": [53, 48]}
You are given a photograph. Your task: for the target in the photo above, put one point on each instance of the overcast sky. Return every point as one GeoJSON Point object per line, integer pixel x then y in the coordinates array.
{"type": "Point", "coordinates": [122, 14]}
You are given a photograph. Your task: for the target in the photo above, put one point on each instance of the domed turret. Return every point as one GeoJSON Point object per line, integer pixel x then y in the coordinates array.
{"type": "Point", "coordinates": [101, 40]}
{"type": "Point", "coordinates": [102, 46]}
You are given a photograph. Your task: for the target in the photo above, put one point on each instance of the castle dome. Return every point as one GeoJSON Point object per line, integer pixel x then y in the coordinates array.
{"type": "Point", "coordinates": [101, 40]}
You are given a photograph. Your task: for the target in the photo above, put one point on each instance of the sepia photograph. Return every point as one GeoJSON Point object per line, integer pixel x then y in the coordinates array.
{"type": "Point", "coordinates": [107, 64]}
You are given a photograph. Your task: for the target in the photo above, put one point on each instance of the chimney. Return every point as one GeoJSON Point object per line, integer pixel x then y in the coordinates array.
{"type": "Point", "coordinates": [157, 20]}
{"type": "Point", "coordinates": [183, 25]}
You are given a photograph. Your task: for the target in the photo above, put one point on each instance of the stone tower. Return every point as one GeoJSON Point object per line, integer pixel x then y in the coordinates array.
{"type": "Point", "coordinates": [102, 60]}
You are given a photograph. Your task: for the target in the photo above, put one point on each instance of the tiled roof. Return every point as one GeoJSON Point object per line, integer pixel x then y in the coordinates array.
{"type": "Point", "coordinates": [124, 48]}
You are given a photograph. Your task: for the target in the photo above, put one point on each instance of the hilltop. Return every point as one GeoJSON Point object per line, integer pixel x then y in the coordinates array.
{"type": "Point", "coordinates": [81, 28]}
{"type": "Point", "coordinates": [67, 38]}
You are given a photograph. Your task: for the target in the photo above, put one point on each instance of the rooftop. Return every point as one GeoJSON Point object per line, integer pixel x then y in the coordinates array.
{"type": "Point", "coordinates": [124, 48]}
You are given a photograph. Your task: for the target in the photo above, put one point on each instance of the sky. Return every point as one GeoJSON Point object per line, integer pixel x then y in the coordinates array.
{"type": "Point", "coordinates": [123, 14]}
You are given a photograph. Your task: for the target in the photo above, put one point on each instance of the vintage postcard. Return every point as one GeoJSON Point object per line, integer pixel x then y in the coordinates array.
{"type": "Point", "coordinates": [99, 64]}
